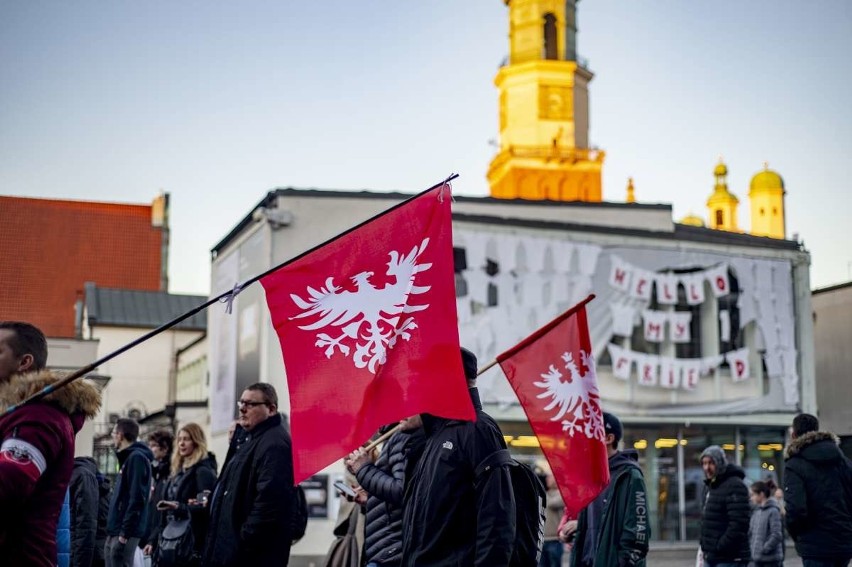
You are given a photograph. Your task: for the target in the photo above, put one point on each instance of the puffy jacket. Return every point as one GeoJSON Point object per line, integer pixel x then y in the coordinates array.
{"type": "Point", "coordinates": [85, 499]}
{"type": "Point", "coordinates": [385, 483]}
{"type": "Point", "coordinates": [766, 534]}
{"type": "Point", "coordinates": [622, 532]}
{"type": "Point", "coordinates": [181, 488]}
{"type": "Point", "coordinates": [448, 520]}
{"type": "Point", "coordinates": [252, 504]}
{"type": "Point", "coordinates": [63, 535]}
{"type": "Point", "coordinates": [36, 460]}
{"type": "Point", "coordinates": [818, 496]}
{"type": "Point", "coordinates": [725, 517]}
{"type": "Point", "coordinates": [128, 508]}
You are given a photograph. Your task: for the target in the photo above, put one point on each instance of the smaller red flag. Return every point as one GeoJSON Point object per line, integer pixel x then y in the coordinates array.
{"type": "Point", "coordinates": [553, 374]}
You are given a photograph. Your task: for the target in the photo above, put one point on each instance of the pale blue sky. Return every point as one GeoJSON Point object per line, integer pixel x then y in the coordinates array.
{"type": "Point", "coordinates": [218, 102]}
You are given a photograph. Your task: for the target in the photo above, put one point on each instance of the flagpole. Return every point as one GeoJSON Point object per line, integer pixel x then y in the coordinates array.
{"type": "Point", "coordinates": [374, 443]}
{"type": "Point", "coordinates": [227, 296]}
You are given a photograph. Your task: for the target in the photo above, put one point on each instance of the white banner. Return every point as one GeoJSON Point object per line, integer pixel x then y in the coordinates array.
{"type": "Point", "coordinates": [619, 274]}
{"type": "Point", "coordinates": [622, 361]}
{"type": "Point", "coordinates": [718, 278]}
{"type": "Point", "coordinates": [679, 326]}
{"type": "Point", "coordinates": [691, 372]}
{"type": "Point", "coordinates": [623, 319]}
{"type": "Point", "coordinates": [666, 289]}
{"type": "Point", "coordinates": [738, 361]}
{"type": "Point", "coordinates": [694, 286]}
{"type": "Point", "coordinates": [669, 373]}
{"type": "Point", "coordinates": [655, 325]}
{"type": "Point", "coordinates": [647, 365]}
{"type": "Point", "coordinates": [640, 285]}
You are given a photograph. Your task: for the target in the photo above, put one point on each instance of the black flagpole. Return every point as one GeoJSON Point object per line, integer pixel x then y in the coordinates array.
{"type": "Point", "coordinates": [227, 296]}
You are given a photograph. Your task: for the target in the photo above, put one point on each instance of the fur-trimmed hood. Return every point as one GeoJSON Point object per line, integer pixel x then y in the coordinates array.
{"type": "Point", "coordinates": [80, 397]}
{"type": "Point", "coordinates": [826, 451]}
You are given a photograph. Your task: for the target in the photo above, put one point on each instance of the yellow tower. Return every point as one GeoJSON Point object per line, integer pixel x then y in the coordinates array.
{"type": "Point", "coordinates": [722, 204]}
{"type": "Point", "coordinates": [544, 109]}
{"type": "Point", "coordinates": [766, 197]}
{"type": "Point", "coordinates": [631, 191]}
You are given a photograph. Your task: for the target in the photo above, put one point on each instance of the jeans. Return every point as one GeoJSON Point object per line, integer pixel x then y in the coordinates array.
{"type": "Point", "coordinates": [117, 554]}
{"type": "Point", "coordinates": [551, 554]}
{"type": "Point", "coordinates": [825, 562]}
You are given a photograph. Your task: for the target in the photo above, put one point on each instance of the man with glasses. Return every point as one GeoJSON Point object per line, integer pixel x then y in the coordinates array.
{"type": "Point", "coordinates": [252, 506]}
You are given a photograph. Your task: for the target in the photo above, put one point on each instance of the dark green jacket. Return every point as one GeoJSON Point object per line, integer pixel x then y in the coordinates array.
{"type": "Point", "coordinates": [624, 529]}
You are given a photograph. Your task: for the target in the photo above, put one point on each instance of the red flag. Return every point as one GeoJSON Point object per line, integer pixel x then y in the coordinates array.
{"type": "Point", "coordinates": [553, 374]}
{"type": "Point", "coordinates": [367, 325]}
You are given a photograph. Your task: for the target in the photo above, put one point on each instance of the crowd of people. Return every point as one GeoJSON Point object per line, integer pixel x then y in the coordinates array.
{"type": "Point", "coordinates": [439, 492]}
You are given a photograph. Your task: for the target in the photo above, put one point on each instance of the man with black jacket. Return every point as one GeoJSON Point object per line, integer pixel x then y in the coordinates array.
{"type": "Point", "coordinates": [128, 513]}
{"type": "Point", "coordinates": [452, 518]}
{"type": "Point", "coordinates": [252, 505]}
{"type": "Point", "coordinates": [613, 530]}
{"type": "Point", "coordinates": [818, 495]}
{"type": "Point", "coordinates": [85, 501]}
{"type": "Point", "coordinates": [385, 482]}
{"type": "Point", "coordinates": [726, 513]}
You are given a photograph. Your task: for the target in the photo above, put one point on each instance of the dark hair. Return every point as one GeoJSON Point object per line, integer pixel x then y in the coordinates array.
{"type": "Point", "coordinates": [128, 428]}
{"type": "Point", "coordinates": [163, 438]}
{"type": "Point", "coordinates": [805, 423]}
{"type": "Point", "coordinates": [270, 396]}
{"type": "Point", "coordinates": [760, 487]}
{"type": "Point", "coordinates": [27, 339]}
{"type": "Point", "coordinates": [770, 484]}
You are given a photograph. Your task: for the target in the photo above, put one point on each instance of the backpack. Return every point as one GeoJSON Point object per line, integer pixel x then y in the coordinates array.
{"type": "Point", "coordinates": [176, 545]}
{"type": "Point", "coordinates": [299, 521]}
{"type": "Point", "coordinates": [530, 506]}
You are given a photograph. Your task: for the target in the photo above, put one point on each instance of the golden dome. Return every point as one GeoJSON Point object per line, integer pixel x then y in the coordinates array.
{"type": "Point", "coordinates": [692, 220]}
{"type": "Point", "coordinates": [721, 169]}
{"type": "Point", "coordinates": [766, 180]}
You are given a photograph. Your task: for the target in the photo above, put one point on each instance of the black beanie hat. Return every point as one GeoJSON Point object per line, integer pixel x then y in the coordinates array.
{"type": "Point", "coordinates": [613, 425]}
{"type": "Point", "coordinates": [469, 364]}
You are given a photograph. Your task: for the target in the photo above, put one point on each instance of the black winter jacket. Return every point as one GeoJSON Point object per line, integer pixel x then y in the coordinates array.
{"type": "Point", "coordinates": [252, 504]}
{"type": "Point", "coordinates": [725, 517]}
{"type": "Point", "coordinates": [181, 488]}
{"type": "Point", "coordinates": [449, 519]}
{"type": "Point", "coordinates": [128, 510]}
{"type": "Point", "coordinates": [84, 501]}
{"type": "Point", "coordinates": [385, 483]}
{"type": "Point", "coordinates": [160, 471]}
{"type": "Point", "coordinates": [818, 496]}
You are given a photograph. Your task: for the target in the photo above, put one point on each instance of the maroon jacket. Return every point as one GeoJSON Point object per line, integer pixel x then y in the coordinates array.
{"type": "Point", "coordinates": [36, 460]}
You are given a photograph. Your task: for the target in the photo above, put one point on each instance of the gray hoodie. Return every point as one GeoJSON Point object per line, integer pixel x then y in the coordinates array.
{"type": "Point", "coordinates": [765, 533]}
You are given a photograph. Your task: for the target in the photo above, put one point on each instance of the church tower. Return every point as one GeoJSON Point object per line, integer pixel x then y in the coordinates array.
{"type": "Point", "coordinates": [722, 204]}
{"type": "Point", "coordinates": [544, 109]}
{"type": "Point", "coordinates": [766, 197]}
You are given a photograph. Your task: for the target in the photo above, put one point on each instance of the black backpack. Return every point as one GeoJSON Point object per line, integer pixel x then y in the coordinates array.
{"type": "Point", "coordinates": [530, 503]}
{"type": "Point", "coordinates": [176, 546]}
{"type": "Point", "coordinates": [300, 514]}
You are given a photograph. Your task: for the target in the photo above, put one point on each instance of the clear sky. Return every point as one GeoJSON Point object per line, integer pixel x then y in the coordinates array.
{"type": "Point", "coordinates": [218, 102]}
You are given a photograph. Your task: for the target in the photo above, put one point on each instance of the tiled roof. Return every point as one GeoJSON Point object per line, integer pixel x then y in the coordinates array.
{"type": "Point", "coordinates": [50, 248]}
{"type": "Point", "coordinates": [146, 309]}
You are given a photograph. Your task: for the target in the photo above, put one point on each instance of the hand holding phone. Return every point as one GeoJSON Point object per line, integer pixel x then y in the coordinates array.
{"type": "Point", "coordinates": [344, 489]}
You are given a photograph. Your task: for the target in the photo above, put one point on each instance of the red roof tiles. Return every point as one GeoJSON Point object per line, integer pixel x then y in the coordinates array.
{"type": "Point", "coordinates": [50, 248]}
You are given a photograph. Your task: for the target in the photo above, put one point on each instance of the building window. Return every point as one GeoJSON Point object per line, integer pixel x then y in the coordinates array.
{"type": "Point", "coordinates": [762, 211]}
{"type": "Point", "coordinates": [550, 43]}
{"type": "Point", "coordinates": [720, 218]}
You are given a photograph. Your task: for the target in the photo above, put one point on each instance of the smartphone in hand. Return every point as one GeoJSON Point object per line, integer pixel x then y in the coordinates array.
{"type": "Point", "coordinates": [344, 489]}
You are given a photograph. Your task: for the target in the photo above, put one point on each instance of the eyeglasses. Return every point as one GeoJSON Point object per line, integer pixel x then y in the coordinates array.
{"type": "Point", "coordinates": [248, 403]}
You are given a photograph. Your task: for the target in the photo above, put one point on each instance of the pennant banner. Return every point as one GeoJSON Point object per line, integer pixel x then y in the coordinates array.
{"type": "Point", "coordinates": [553, 375]}
{"type": "Point", "coordinates": [367, 326]}
{"type": "Point", "coordinates": [636, 282]}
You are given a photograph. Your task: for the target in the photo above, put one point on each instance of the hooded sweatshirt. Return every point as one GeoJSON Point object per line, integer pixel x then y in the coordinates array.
{"type": "Point", "coordinates": [36, 460]}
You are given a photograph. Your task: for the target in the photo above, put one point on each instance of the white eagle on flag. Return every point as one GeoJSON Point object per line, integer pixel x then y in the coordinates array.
{"type": "Point", "coordinates": [371, 318]}
{"type": "Point", "coordinates": [575, 396]}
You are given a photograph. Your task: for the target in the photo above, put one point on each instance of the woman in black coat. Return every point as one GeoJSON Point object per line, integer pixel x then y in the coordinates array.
{"type": "Point", "coordinates": [193, 473]}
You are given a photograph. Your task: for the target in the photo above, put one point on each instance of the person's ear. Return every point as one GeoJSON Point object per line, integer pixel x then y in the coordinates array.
{"type": "Point", "coordinates": [26, 363]}
{"type": "Point", "coordinates": [610, 440]}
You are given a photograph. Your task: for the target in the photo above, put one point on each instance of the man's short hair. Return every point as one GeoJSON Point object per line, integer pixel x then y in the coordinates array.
{"type": "Point", "coordinates": [27, 339]}
{"type": "Point", "coordinates": [469, 364]}
{"type": "Point", "coordinates": [128, 428]}
{"type": "Point", "coordinates": [805, 423]}
{"type": "Point", "coordinates": [270, 396]}
{"type": "Point", "coordinates": [163, 438]}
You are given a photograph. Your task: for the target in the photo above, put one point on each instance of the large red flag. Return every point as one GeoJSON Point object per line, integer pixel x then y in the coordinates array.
{"type": "Point", "coordinates": [553, 374]}
{"type": "Point", "coordinates": [367, 325]}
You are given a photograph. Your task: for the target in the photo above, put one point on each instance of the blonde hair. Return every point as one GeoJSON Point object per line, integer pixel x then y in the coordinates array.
{"type": "Point", "coordinates": [196, 435]}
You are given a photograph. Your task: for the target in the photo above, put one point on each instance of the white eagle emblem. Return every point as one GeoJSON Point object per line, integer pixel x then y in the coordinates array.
{"type": "Point", "coordinates": [371, 318]}
{"type": "Point", "coordinates": [575, 396]}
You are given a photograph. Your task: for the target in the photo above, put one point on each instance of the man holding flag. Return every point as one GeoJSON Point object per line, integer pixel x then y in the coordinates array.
{"type": "Point", "coordinates": [613, 530]}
